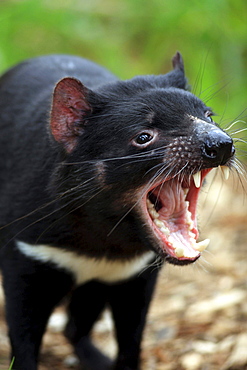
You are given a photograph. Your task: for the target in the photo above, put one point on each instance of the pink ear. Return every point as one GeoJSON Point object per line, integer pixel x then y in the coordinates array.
{"type": "Point", "coordinates": [68, 108]}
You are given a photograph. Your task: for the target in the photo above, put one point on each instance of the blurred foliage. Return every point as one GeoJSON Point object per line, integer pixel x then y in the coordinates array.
{"type": "Point", "coordinates": [133, 37]}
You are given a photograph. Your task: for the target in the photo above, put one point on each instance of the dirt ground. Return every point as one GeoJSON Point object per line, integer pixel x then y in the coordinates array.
{"type": "Point", "coordinates": [198, 316]}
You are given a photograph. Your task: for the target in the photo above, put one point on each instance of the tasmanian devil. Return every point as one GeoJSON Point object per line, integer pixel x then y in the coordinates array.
{"type": "Point", "coordinates": [99, 179]}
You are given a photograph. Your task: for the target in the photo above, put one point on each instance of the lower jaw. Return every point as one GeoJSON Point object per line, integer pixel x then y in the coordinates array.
{"type": "Point", "coordinates": [181, 262]}
{"type": "Point", "coordinates": [169, 247]}
{"type": "Point", "coordinates": [167, 253]}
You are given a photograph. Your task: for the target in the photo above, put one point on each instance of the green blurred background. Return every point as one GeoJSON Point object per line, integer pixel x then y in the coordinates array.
{"type": "Point", "coordinates": [133, 37]}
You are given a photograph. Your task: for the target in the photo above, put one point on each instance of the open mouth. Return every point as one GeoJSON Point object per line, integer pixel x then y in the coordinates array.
{"type": "Point", "coordinates": [171, 210]}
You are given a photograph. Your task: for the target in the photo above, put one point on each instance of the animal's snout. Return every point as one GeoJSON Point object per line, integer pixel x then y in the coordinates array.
{"type": "Point", "coordinates": [217, 147]}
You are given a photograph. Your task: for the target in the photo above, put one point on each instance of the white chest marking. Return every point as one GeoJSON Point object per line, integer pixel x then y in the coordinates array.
{"type": "Point", "coordinates": [85, 268]}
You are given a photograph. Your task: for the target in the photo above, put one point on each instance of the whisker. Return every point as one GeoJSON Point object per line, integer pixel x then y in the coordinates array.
{"type": "Point", "coordinates": [241, 130]}
{"type": "Point", "coordinates": [224, 111]}
{"type": "Point", "coordinates": [166, 166]}
{"type": "Point", "coordinates": [210, 90]}
{"type": "Point", "coordinates": [131, 156]}
{"type": "Point", "coordinates": [59, 197]}
{"type": "Point", "coordinates": [236, 140]}
{"type": "Point", "coordinates": [207, 98]}
{"type": "Point", "coordinates": [233, 124]}
{"type": "Point", "coordinates": [239, 167]}
{"type": "Point", "coordinates": [156, 264]}
{"type": "Point", "coordinates": [237, 120]}
{"type": "Point", "coordinates": [69, 212]}
{"type": "Point", "coordinates": [200, 75]}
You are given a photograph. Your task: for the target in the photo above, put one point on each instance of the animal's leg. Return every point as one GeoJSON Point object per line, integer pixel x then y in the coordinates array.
{"type": "Point", "coordinates": [32, 290]}
{"type": "Point", "coordinates": [86, 304]}
{"type": "Point", "coordinates": [130, 302]}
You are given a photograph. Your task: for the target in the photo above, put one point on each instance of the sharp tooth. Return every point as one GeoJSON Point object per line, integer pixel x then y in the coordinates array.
{"type": "Point", "coordinates": [186, 190]}
{"type": "Point", "coordinates": [190, 223]}
{"type": "Point", "coordinates": [201, 246]}
{"type": "Point", "coordinates": [197, 179]}
{"type": "Point", "coordinates": [150, 205]}
{"type": "Point", "coordinates": [179, 251]}
{"type": "Point", "coordinates": [159, 223]}
{"type": "Point", "coordinates": [165, 230]}
{"type": "Point", "coordinates": [226, 172]}
{"type": "Point", "coordinates": [153, 213]}
{"type": "Point", "coordinates": [189, 216]}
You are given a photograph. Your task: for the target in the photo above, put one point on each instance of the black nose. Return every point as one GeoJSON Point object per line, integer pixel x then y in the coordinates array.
{"type": "Point", "coordinates": [217, 147]}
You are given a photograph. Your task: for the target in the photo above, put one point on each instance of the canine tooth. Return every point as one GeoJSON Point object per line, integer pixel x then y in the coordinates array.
{"type": "Point", "coordinates": [226, 172]}
{"type": "Point", "coordinates": [159, 223]}
{"type": "Point", "coordinates": [191, 225]}
{"type": "Point", "coordinates": [197, 179]}
{"type": "Point", "coordinates": [179, 251]}
{"type": "Point", "coordinates": [150, 205]}
{"type": "Point", "coordinates": [201, 246]}
{"type": "Point", "coordinates": [165, 230]}
{"type": "Point", "coordinates": [153, 213]}
{"type": "Point", "coordinates": [186, 190]}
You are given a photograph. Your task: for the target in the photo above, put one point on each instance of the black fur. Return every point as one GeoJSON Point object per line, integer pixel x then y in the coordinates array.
{"type": "Point", "coordinates": [75, 163]}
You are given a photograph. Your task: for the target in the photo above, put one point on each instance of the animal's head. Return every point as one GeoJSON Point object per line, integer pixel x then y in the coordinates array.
{"type": "Point", "coordinates": [143, 147]}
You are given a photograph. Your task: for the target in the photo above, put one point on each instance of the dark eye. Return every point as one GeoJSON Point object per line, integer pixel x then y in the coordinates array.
{"type": "Point", "coordinates": [143, 138]}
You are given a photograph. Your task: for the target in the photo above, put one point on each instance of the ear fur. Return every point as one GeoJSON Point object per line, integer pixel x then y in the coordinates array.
{"type": "Point", "coordinates": [177, 61]}
{"type": "Point", "coordinates": [69, 107]}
